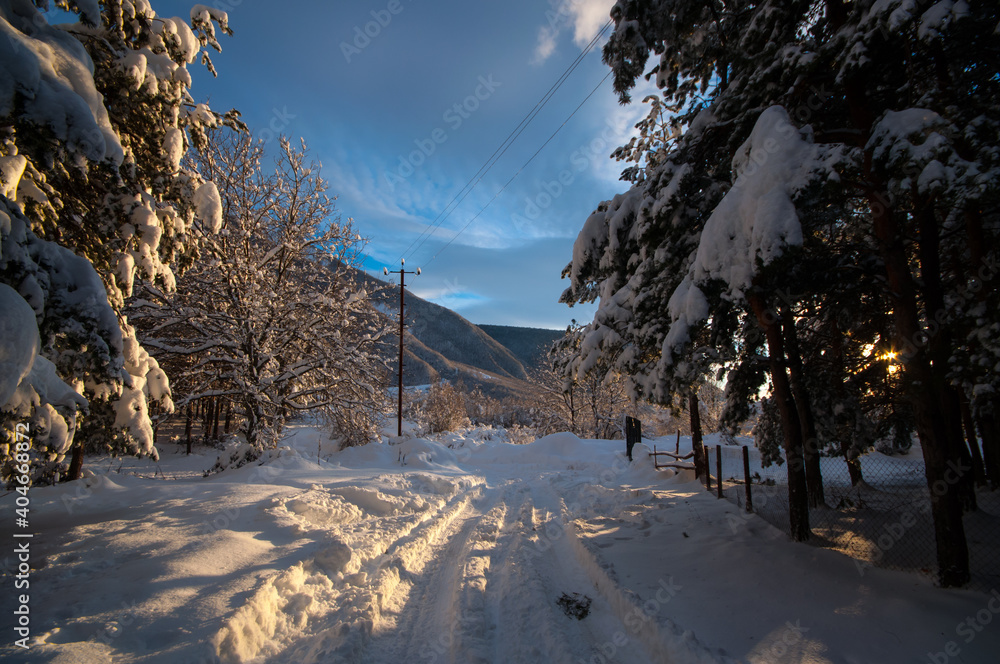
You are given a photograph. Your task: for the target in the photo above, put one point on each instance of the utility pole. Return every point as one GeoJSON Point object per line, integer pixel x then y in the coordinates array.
{"type": "Point", "coordinates": [402, 291]}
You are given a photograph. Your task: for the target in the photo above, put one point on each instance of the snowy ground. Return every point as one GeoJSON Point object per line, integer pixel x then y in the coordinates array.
{"type": "Point", "coordinates": [451, 550]}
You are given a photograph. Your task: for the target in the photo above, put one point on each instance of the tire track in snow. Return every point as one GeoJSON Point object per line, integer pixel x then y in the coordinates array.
{"type": "Point", "coordinates": [380, 588]}
{"type": "Point", "coordinates": [541, 570]}
{"type": "Point", "coordinates": [312, 611]}
{"type": "Point", "coordinates": [476, 580]}
{"type": "Point", "coordinates": [491, 594]}
{"type": "Point", "coordinates": [425, 613]}
{"type": "Point", "coordinates": [476, 614]}
{"type": "Point", "coordinates": [529, 626]}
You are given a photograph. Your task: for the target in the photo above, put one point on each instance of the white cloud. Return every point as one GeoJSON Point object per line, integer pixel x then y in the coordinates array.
{"type": "Point", "coordinates": [586, 17]}
{"type": "Point", "coordinates": [546, 44]}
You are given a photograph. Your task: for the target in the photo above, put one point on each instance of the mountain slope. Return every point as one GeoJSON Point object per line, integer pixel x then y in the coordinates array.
{"type": "Point", "coordinates": [458, 340]}
{"type": "Point", "coordinates": [441, 344]}
{"type": "Point", "coordinates": [530, 345]}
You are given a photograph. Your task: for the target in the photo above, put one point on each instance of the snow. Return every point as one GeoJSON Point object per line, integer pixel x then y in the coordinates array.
{"type": "Point", "coordinates": [204, 13]}
{"type": "Point", "coordinates": [73, 284]}
{"type": "Point", "coordinates": [29, 384]}
{"type": "Point", "coordinates": [58, 284]}
{"type": "Point", "coordinates": [756, 220]}
{"type": "Point", "coordinates": [687, 307]}
{"type": "Point", "coordinates": [179, 30]}
{"type": "Point", "coordinates": [450, 548]}
{"type": "Point", "coordinates": [173, 148]}
{"type": "Point", "coordinates": [755, 223]}
{"type": "Point", "coordinates": [18, 341]}
{"type": "Point", "coordinates": [890, 134]}
{"type": "Point", "coordinates": [133, 64]}
{"type": "Point", "coordinates": [11, 170]}
{"type": "Point", "coordinates": [209, 206]}
{"type": "Point", "coordinates": [931, 22]}
{"type": "Point", "coordinates": [90, 11]}
{"type": "Point", "coordinates": [591, 240]}
{"type": "Point", "coordinates": [49, 70]}
{"type": "Point", "coordinates": [145, 381]}
{"type": "Point", "coordinates": [51, 404]}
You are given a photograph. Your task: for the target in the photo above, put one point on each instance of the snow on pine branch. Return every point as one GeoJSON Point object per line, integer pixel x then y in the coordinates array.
{"type": "Point", "coordinates": [52, 75]}
{"type": "Point", "coordinates": [97, 117]}
{"type": "Point", "coordinates": [756, 221]}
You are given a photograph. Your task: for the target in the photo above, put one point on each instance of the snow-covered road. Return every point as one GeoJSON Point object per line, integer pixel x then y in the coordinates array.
{"type": "Point", "coordinates": [462, 549]}
{"type": "Point", "coordinates": [490, 591]}
{"type": "Point", "coordinates": [475, 577]}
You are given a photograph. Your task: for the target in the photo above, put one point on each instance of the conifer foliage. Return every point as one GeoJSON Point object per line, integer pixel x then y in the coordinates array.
{"type": "Point", "coordinates": [827, 196]}
{"type": "Point", "coordinates": [95, 119]}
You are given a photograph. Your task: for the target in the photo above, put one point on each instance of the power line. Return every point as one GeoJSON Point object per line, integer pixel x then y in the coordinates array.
{"type": "Point", "coordinates": [500, 151]}
{"type": "Point", "coordinates": [425, 235]}
{"type": "Point", "coordinates": [525, 165]}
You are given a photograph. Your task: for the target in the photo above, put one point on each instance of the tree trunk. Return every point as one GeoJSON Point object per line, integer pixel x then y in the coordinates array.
{"type": "Point", "coordinates": [217, 414]}
{"type": "Point", "coordinates": [810, 442]}
{"type": "Point", "coordinates": [595, 410]}
{"type": "Point", "coordinates": [206, 420]}
{"type": "Point", "coordinates": [253, 421]}
{"type": "Point", "coordinates": [959, 455]}
{"type": "Point", "coordinates": [926, 392]}
{"type": "Point", "coordinates": [229, 415]}
{"type": "Point", "coordinates": [700, 462]}
{"type": "Point", "coordinates": [572, 411]}
{"type": "Point", "coordinates": [939, 346]}
{"type": "Point", "coordinates": [76, 463]}
{"type": "Point", "coordinates": [923, 388]}
{"type": "Point", "coordinates": [798, 499]}
{"type": "Point", "coordinates": [153, 411]}
{"type": "Point", "coordinates": [988, 430]}
{"type": "Point", "coordinates": [189, 425]}
{"type": "Point", "coordinates": [853, 462]}
{"type": "Point", "coordinates": [847, 447]}
{"type": "Point", "coordinates": [978, 469]}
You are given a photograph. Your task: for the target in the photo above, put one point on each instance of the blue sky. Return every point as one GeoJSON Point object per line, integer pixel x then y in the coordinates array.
{"type": "Point", "coordinates": [403, 106]}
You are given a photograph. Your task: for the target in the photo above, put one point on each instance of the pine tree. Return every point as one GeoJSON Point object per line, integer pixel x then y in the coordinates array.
{"type": "Point", "coordinates": [594, 393]}
{"type": "Point", "coordinates": [95, 119]}
{"type": "Point", "coordinates": [870, 123]}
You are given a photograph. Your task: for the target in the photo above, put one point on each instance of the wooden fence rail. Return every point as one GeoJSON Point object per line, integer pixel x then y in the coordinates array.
{"type": "Point", "coordinates": [677, 458]}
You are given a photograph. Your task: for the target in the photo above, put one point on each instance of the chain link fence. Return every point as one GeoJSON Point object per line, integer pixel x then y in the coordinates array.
{"type": "Point", "coordinates": [884, 521]}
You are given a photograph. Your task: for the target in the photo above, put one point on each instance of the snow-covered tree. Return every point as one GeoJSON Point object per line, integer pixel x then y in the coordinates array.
{"type": "Point", "coordinates": [95, 118]}
{"type": "Point", "coordinates": [271, 318]}
{"type": "Point", "coordinates": [593, 398]}
{"type": "Point", "coordinates": [826, 147]}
